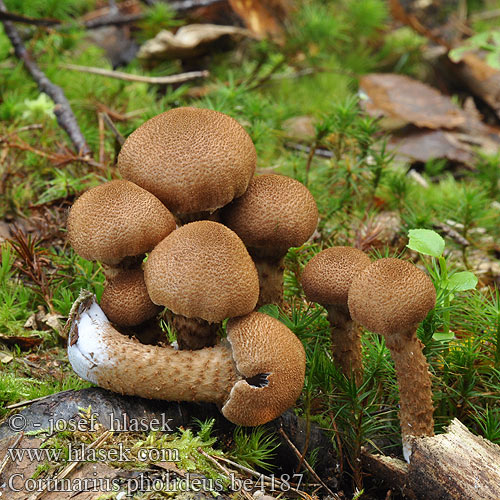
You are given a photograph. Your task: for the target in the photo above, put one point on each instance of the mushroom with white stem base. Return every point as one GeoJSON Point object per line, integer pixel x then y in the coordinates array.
{"type": "Point", "coordinates": [391, 297]}
{"type": "Point", "coordinates": [254, 376]}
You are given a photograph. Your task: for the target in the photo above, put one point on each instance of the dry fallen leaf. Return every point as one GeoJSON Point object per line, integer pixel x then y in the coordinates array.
{"type": "Point", "coordinates": [261, 17]}
{"type": "Point", "coordinates": [425, 145]}
{"type": "Point", "coordinates": [406, 100]}
{"type": "Point", "coordinates": [5, 358]}
{"type": "Point", "coordinates": [24, 343]}
{"type": "Point", "coordinates": [188, 41]}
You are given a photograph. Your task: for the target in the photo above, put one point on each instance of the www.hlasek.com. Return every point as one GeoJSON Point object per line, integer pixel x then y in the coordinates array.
{"type": "Point", "coordinates": [164, 482]}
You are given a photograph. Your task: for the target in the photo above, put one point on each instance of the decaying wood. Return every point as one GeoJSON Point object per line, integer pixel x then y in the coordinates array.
{"type": "Point", "coordinates": [64, 114]}
{"type": "Point", "coordinates": [451, 466]}
{"type": "Point", "coordinates": [455, 465]}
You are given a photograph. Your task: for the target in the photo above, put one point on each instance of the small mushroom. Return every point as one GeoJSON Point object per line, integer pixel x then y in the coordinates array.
{"type": "Point", "coordinates": [116, 223]}
{"type": "Point", "coordinates": [254, 376]}
{"type": "Point", "coordinates": [275, 213]}
{"type": "Point", "coordinates": [391, 297]}
{"type": "Point", "coordinates": [203, 274]}
{"type": "Point", "coordinates": [194, 160]}
{"type": "Point", "coordinates": [126, 301]}
{"type": "Point", "coordinates": [326, 280]}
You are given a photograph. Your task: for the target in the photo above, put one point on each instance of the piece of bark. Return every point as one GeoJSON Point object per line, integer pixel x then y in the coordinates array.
{"type": "Point", "coordinates": [113, 409]}
{"type": "Point", "coordinates": [480, 78]}
{"type": "Point", "coordinates": [64, 114]}
{"type": "Point", "coordinates": [455, 465]}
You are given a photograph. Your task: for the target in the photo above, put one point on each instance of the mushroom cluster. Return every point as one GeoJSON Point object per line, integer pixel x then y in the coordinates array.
{"type": "Point", "coordinates": [390, 297]}
{"type": "Point", "coordinates": [191, 230]}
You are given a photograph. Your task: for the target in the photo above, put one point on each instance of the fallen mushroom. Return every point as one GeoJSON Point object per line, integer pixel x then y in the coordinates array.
{"type": "Point", "coordinates": [254, 376]}
{"type": "Point", "coordinates": [326, 280]}
{"type": "Point", "coordinates": [203, 274]}
{"type": "Point", "coordinates": [275, 213]}
{"type": "Point", "coordinates": [116, 223]}
{"type": "Point", "coordinates": [391, 297]}
{"type": "Point", "coordinates": [194, 160]}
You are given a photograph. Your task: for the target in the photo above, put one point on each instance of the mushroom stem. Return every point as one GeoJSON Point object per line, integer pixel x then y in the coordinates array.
{"type": "Point", "coordinates": [100, 354]}
{"type": "Point", "coordinates": [213, 215]}
{"type": "Point", "coordinates": [412, 371]}
{"type": "Point", "coordinates": [346, 341]}
{"type": "Point", "coordinates": [270, 279]}
{"type": "Point", "coordinates": [193, 333]}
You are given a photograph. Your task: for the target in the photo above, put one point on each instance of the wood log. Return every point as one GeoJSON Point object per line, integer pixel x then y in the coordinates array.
{"type": "Point", "coordinates": [455, 465]}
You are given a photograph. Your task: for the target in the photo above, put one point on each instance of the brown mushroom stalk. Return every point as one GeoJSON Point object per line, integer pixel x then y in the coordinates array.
{"type": "Point", "coordinates": [254, 376]}
{"type": "Point", "coordinates": [275, 213]}
{"type": "Point", "coordinates": [391, 297]}
{"type": "Point", "coordinates": [326, 280]}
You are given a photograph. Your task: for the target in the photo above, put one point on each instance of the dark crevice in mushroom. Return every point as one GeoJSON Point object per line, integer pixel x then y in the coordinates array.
{"type": "Point", "coordinates": [259, 380]}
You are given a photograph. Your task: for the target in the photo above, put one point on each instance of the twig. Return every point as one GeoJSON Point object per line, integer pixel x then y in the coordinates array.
{"type": "Point", "coordinates": [72, 466]}
{"type": "Point", "coordinates": [100, 121]}
{"type": "Point", "coordinates": [31, 401]}
{"type": "Point", "coordinates": [308, 467]}
{"type": "Point", "coordinates": [107, 120]}
{"type": "Point", "coordinates": [7, 457]}
{"type": "Point", "coordinates": [9, 16]}
{"type": "Point", "coordinates": [223, 469]}
{"type": "Point", "coordinates": [120, 75]}
{"type": "Point", "coordinates": [324, 153]}
{"type": "Point", "coordinates": [62, 110]}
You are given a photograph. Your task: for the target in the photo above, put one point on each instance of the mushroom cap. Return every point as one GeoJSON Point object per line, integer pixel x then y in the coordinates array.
{"type": "Point", "coordinates": [268, 352]}
{"type": "Point", "coordinates": [202, 270]}
{"type": "Point", "coordinates": [126, 301]}
{"type": "Point", "coordinates": [391, 296]}
{"type": "Point", "coordinates": [328, 275]}
{"type": "Point", "coordinates": [115, 220]}
{"type": "Point", "coordinates": [275, 213]}
{"type": "Point", "coordinates": [192, 159]}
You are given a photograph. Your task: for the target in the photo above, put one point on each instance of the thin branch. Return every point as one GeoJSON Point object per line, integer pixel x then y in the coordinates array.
{"type": "Point", "coordinates": [306, 464]}
{"type": "Point", "coordinates": [120, 75]}
{"type": "Point", "coordinates": [107, 120]}
{"type": "Point", "coordinates": [16, 18]}
{"type": "Point", "coordinates": [64, 114]}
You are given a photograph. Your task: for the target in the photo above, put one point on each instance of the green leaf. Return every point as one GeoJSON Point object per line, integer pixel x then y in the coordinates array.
{"type": "Point", "coordinates": [456, 54]}
{"type": "Point", "coordinates": [426, 241]}
{"type": "Point", "coordinates": [462, 281]}
{"type": "Point", "coordinates": [442, 337]}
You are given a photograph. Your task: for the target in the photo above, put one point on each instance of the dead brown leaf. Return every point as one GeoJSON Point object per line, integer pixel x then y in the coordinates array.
{"type": "Point", "coordinates": [263, 18]}
{"type": "Point", "coordinates": [188, 41]}
{"type": "Point", "coordinates": [24, 343]}
{"type": "Point", "coordinates": [406, 100]}
{"type": "Point", "coordinates": [425, 145]}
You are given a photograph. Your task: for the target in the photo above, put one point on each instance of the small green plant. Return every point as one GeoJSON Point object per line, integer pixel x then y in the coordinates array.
{"type": "Point", "coordinates": [488, 41]}
{"type": "Point", "coordinates": [255, 448]}
{"type": "Point", "coordinates": [428, 242]}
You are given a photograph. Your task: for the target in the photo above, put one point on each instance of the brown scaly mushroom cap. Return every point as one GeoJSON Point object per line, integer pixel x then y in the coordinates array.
{"type": "Point", "coordinates": [275, 213]}
{"type": "Point", "coordinates": [272, 360]}
{"type": "Point", "coordinates": [391, 296]}
{"type": "Point", "coordinates": [115, 220]}
{"type": "Point", "coordinates": [193, 160]}
{"type": "Point", "coordinates": [202, 270]}
{"type": "Point", "coordinates": [326, 279]}
{"type": "Point", "coordinates": [255, 376]}
{"type": "Point", "coordinates": [126, 301]}
{"type": "Point", "coordinates": [328, 275]}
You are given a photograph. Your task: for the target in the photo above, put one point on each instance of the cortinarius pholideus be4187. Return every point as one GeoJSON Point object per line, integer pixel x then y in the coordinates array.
{"type": "Point", "coordinates": [203, 274]}
{"type": "Point", "coordinates": [254, 375]}
{"type": "Point", "coordinates": [194, 160]}
{"type": "Point", "coordinates": [275, 213]}
{"type": "Point", "coordinates": [116, 223]}
{"type": "Point", "coordinates": [391, 297]}
{"type": "Point", "coordinates": [326, 280]}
